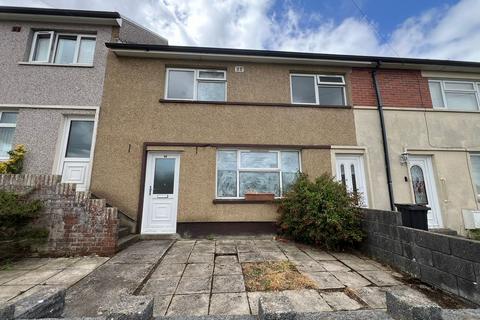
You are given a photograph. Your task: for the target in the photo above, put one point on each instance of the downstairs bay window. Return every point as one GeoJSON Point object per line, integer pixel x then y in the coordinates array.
{"type": "Point", "coordinates": [242, 171]}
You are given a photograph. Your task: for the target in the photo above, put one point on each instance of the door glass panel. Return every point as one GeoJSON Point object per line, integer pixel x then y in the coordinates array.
{"type": "Point", "coordinates": [164, 178]}
{"type": "Point", "coordinates": [342, 175]}
{"type": "Point", "coordinates": [79, 139]}
{"type": "Point", "coordinates": [418, 184]}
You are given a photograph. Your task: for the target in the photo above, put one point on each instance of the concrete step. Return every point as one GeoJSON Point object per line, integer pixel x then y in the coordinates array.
{"type": "Point", "coordinates": [123, 232]}
{"type": "Point", "coordinates": [445, 231]}
{"type": "Point", "coordinates": [127, 241]}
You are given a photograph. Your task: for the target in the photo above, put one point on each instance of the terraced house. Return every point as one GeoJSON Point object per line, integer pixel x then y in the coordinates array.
{"type": "Point", "coordinates": [53, 67]}
{"type": "Point", "coordinates": [190, 136]}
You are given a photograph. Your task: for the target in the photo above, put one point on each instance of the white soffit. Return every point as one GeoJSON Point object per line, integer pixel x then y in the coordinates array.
{"type": "Point", "coordinates": [60, 19]}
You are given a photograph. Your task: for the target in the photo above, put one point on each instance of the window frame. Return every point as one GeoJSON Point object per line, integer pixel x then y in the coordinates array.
{"type": "Point", "coordinates": [7, 125]}
{"type": "Point", "coordinates": [246, 169]}
{"type": "Point", "coordinates": [472, 177]}
{"type": "Point", "coordinates": [34, 44]}
{"type": "Point", "coordinates": [52, 49]}
{"type": "Point", "coordinates": [318, 83]}
{"type": "Point", "coordinates": [444, 90]}
{"type": "Point", "coordinates": [196, 80]}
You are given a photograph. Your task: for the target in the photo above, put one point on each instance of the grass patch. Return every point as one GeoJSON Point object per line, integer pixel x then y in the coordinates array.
{"type": "Point", "coordinates": [274, 276]}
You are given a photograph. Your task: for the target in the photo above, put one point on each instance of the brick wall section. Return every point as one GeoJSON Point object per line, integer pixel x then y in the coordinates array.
{"type": "Point", "coordinates": [78, 225]}
{"type": "Point", "coordinates": [399, 88]}
{"type": "Point", "coordinates": [446, 262]}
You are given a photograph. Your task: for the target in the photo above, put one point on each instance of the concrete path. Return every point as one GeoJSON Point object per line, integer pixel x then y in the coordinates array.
{"type": "Point", "coordinates": [121, 275]}
{"type": "Point", "coordinates": [26, 276]}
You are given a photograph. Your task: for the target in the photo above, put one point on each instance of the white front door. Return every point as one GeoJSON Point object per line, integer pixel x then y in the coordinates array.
{"type": "Point", "coordinates": [351, 173]}
{"type": "Point", "coordinates": [422, 182]}
{"type": "Point", "coordinates": [76, 151]}
{"type": "Point", "coordinates": [161, 193]}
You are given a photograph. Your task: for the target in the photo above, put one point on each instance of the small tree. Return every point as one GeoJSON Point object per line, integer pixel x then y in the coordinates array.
{"type": "Point", "coordinates": [321, 212]}
{"type": "Point", "coordinates": [14, 164]}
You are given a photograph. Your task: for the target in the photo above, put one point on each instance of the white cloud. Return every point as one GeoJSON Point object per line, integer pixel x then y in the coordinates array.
{"type": "Point", "coordinates": [442, 32]}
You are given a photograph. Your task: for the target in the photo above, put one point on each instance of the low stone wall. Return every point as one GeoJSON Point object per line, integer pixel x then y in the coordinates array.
{"type": "Point", "coordinates": [446, 262]}
{"type": "Point", "coordinates": [78, 225]}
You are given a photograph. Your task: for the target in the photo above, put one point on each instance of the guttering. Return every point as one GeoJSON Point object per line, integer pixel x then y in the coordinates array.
{"type": "Point", "coordinates": [388, 170]}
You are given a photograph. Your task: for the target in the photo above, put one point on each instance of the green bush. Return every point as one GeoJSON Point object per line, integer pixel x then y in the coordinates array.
{"type": "Point", "coordinates": [321, 212]}
{"type": "Point", "coordinates": [17, 230]}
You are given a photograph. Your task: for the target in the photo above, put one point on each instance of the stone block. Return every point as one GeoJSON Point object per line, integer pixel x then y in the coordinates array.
{"type": "Point", "coordinates": [469, 290]}
{"type": "Point", "coordinates": [7, 311]}
{"type": "Point", "coordinates": [406, 305]}
{"type": "Point", "coordinates": [275, 308]}
{"type": "Point", "coordinates": [451, 264]}
{"type": "Point", "coordinates": [43, 303]}
{"type": "Point", "coordinates": [190, 304]}
{"type": "Point", "coordinates": [340, 301]}
{"type": "Point", "coordinates": [406, 265]}
{"type": "Point", "coordinates": [422, 255]}
{"type": "Point", "coordinates": [460, 314]}
{"type": "Point", "coordinates": [229, 304]}
{"type": "Point", "coordinates": [130, 308]}
{"type": "Point", "coordinates": [466, 249]}
{"type": "Point", "coordinates": [406, 234]}
{"type": "Point", "coordinates": [433, 241]}
{"type": "Point", "coordinates": [439, 279]}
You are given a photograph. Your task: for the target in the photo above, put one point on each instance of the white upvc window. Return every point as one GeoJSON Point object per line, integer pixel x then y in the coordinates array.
{"type": "Point", "coordinates": [241, 171]}
{"type": "Point", "coordinates": [475, 162]}
{"type": "Point", "coordinates": [196, 84]}
{"type": "Point", "coordinates": [317, 89]}
{"type": "Point", "coordinates": [62, 48]}
{"type": "Point", "coordinates": [455, 95]}
{"type": "Point", "coordinates": [8, 123]}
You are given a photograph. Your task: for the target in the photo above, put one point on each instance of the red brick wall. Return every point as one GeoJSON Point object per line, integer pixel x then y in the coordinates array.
{"type": "Point", "coordinates": [399, 88]}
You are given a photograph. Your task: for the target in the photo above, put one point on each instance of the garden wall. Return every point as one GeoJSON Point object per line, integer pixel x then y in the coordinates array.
{"type": "Point", "coordinates": [446, 262]}
{"type": "Point", "coordinates": [78, 225]}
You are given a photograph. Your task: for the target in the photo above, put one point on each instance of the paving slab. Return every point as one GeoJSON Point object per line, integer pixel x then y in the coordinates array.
{"type": "Point", "coordinates": [90, 262]}
{"type": "Point", "coordinates": [58, 263]}
{"type": "Point", "coordinates": [168, 269]}
{"type": "Point", "coordinates": [246, 248]}
{"type": "Point", "coordinates": [229, 283]}
{"type": "Point", "coordinates": [250, 257]}
{"type": "Point", "coordinates": [253, 298]}
{"type": "Point", "coordinates": [160, 286]}
{"type": "Point", "coordinates": [345, 255]}
{"type": "Point", "coordinates": [142, 252]}
{"type": "Point", "coordinates": [29, 263]}
{"type": "Point", "coordinates": [198, 270]}
{"type": "Point", "coordinates": [374, 297]}
{"type": "Point", "coordinates": [226, 259]}
{"type": "Point", "coordinates": [274, 256]}
{"type": "Point", "coordinates": [10, 292]}
{"type": "Point", "coordinates": [226, 269]}
{"type": "Point", "coordinates": [9, 275]}
{"type": "Point", "coordinates": [191, 304]}
{"type": "Point", "coordinates": [194, 285]}
{"type": "Point", "coordinates": [298, 256]}
{"type": "Point", "coordinates": [340, 301]}
{"type": "Point", "coordinates": [201, 258]}
{"type": "Point", "coordinates": [32, 278]}
{"type": "Point", "coordinates": [176, 258]}
{"type": "Point", "coordinates": [360, 265]}
{"type": "Point", "coordinates": [306, 301]}
{"type": "Point", "coordinates": [380, 278]}
{"type": "Point", "coordinates": [319, 255]}
{"type": "Point", "coordinates": [351, 279]}
{"type": "Point", "coordinates": [229, 304]}
{"type": "Point", "coordinates": [325, 280]}
{"type": "Point", "coordinates": [68, 277]}
{"type": "Point", "coordinates": [310, 266]}
{"type": "Point", "coordinates": [333, 266]}
{"type": "Point", "coordinates": [160, 305]}
{"type": "Point", "coordinates": [225, 249]}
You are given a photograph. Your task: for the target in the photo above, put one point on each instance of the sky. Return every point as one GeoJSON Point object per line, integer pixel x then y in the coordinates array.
{"type": "Point", "coordinates": [436, 29]}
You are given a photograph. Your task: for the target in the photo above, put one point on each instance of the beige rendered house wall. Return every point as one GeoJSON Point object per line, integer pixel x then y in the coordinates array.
{"type": "Point", "coordinates": [131, 115]}
{"type": "Point", "coordinates": [449, 137]}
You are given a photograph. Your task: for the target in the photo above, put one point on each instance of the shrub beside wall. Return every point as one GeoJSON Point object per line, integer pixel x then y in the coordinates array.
{"type": "Point", "coordinates": [321, 212]}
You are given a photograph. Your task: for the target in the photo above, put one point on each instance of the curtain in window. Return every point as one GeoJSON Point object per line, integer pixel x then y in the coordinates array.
{"type": "Point", "coordinates": [6, 139]}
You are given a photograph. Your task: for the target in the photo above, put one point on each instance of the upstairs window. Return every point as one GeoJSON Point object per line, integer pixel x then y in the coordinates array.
{"type": "Point", "coordinates": [326, 90]}
{"type": "Point", "coordinates": [455, 95]}
{"type": "Point", "coordinates": [241, 171]}
{"type": "Point", "coordinates": [193, 84]}
{"type": "Point", "coordinates": [62, 48]}
{"type": "Point", "coordinates": [8, 122]}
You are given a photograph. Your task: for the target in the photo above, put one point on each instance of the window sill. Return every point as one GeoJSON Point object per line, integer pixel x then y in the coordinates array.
{"type": "Point", "coordinates": [253, 104]}
{"type": "Point", "coordinates": [73, 65]}
{"type": "Point", "coordinates": [243, 201]}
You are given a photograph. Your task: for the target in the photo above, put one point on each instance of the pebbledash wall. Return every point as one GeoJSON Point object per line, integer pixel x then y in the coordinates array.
{"type": "Point", "coordinates": [77, 224]}
{"type": "Point", "coordinates": [446, 262]}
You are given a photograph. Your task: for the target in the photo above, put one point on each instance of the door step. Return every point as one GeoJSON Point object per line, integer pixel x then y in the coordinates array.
{"type": "Point", "coordinates": [123, 231]}
{"type": "Point", "coordinates": [127, 241]}
{"type": "Point", "coordinates": [170, 236]}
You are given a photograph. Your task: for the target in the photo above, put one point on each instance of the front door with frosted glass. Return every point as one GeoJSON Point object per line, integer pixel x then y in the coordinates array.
{"type": "Point", "coordinates": [351, 174]}
{"type": "Point", "coordinates": [161, 193]}
{"type": "Point", "coordinates": [424, 191]}
{"type": "Point", "coordinates": [76, 152]}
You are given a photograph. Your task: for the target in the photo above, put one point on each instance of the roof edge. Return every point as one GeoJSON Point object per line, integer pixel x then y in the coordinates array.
{"type": "Point", "coordinates": [61, 12]}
